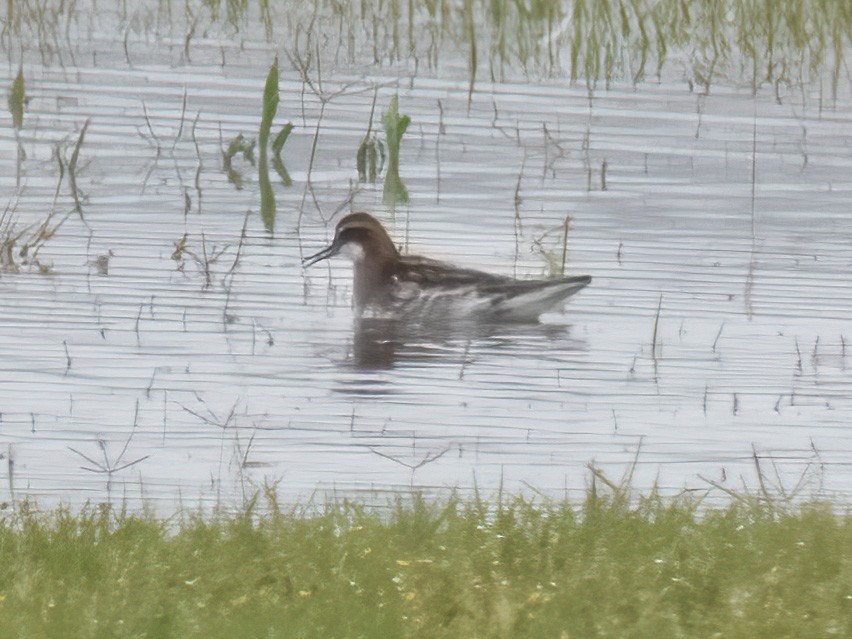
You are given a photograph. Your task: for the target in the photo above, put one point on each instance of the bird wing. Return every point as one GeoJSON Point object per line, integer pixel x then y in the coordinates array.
{"type": "Point", "coordinates": [427, 272]}
{"type": "Point", "coordinates": [527, 299]}
{"type": "Point", "coordinates": [433, 281]}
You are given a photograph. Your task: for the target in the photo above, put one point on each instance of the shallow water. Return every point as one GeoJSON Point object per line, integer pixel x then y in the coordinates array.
{"type": "Point", "coordinates": [715, 330]}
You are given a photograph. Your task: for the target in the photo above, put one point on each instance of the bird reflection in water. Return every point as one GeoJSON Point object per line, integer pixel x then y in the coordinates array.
{"type": "Point", "coordinates": [382, 343]}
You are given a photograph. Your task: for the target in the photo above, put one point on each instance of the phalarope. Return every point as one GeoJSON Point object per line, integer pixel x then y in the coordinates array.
{"type": "Point", "coordinates": [388, 284]}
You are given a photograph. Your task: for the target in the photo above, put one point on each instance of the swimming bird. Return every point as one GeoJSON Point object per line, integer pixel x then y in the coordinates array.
{"type": "Point", "coordinates": [389, 284]}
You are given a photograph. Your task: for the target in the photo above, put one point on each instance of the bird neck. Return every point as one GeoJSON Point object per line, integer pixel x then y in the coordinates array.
{"type": "Point", "coordinates": [372, 278]}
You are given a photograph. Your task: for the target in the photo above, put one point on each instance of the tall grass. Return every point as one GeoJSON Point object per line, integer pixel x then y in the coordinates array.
{"type": "Point", "coordinates": [611, 566]}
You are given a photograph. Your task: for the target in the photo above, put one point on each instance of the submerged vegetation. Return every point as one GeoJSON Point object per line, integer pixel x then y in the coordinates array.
{"type": "Point", "coordinates": [612, 566]}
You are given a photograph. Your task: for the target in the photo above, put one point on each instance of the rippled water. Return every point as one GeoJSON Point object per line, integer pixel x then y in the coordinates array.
{"type": "Point", "coordinates": [716, 228]}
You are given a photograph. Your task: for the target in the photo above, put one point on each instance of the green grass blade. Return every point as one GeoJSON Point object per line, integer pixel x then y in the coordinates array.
{"type": "Point", "coordinates": [395, 126]}
{"type": "Point", "coordinates": [361, 161]}
{"type": "Point", "coordinates": [281, 138]}
{"type": "Point", "coordinates": [17, 100]}
{"type": "Point", "coordinates": [270, 106]}
{"type": "Point", "coordinates": [277, 162]}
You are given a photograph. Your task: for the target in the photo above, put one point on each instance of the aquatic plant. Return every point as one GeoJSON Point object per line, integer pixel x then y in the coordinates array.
{"type": "Point", "coordinates": [370, 159]}
{"type": "Point", "coordinates": [395, 126]}
{"type": "Point", "coordinates": [17, 101]}
{"type": "Point", "coordinates": [20, 244]}
{"type": "Point", "coordinates": [270, 107]}
{"type": "Point", "coordinates": [9, 237]}
{"type": "Point", "coordinates": [277, 162]}
{"type": "Point", "coordinates": [242, 146]}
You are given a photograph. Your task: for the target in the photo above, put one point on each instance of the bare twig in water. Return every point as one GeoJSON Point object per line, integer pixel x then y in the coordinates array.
{"type": "Point", "coordinates": [566, 224]}
{"type": "Point", "coordinates": [798, 358]}
{"type": "Point", "coordinates": [427, 459]}
{"type": "Point", "coordinates": [654, 343]}
{"type": "Point", "coordinates": [72, 172]}
{"type": "Point", "coordinates": [204, 260]}
{"type": "Point", "coordinates": [518, 224]}
{"type": "Point", "coordinates": [228, 279]}
{"type": "Point", "coordinates": [110, 467]}
{"type": "Point", "coordinates": [303, 61]}
{"type": "Point", "coordinates": [718, 335]}
{"type": "Point", "coordinates": [67, 357]}
{"type": "Point", "coordinates": [752, 264]}
{"type": "Point", "coordinates": [200, 165]}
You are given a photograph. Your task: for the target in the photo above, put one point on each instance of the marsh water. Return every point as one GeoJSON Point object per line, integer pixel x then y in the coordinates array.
{"type": "Point", "coordinates": [158, 345]}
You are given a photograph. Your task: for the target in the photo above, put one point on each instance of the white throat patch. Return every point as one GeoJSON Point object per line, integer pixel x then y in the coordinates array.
{"type": "Point", "coordinates": [353, 250]}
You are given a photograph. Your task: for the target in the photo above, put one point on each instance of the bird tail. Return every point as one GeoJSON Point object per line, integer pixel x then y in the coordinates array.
{"type": "Point", "coordinates": [528, 300]}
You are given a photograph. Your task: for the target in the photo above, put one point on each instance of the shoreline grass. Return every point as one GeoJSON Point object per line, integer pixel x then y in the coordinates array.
{"type": "Point", "coordinates": [608, 567]}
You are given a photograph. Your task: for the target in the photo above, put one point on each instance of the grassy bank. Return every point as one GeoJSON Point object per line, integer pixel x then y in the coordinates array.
{"type": "Point", "coordinates": [459, 568]}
